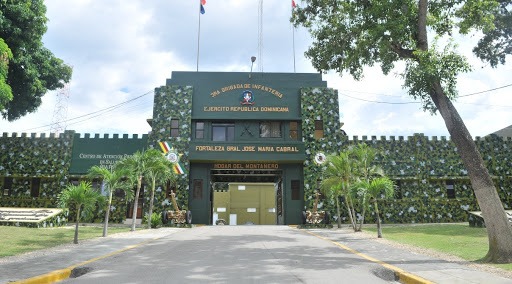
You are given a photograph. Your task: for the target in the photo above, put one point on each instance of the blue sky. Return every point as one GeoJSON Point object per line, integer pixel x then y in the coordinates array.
{"type": "Point", "coordinates": [121, 50]}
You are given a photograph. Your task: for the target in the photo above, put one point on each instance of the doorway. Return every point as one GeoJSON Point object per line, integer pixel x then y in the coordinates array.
{"type": "Point", "coordinates": [240, 197]}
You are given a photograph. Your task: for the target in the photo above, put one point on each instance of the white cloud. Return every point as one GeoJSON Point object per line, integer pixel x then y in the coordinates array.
{"type": "Point", "coordinates": [121, 50]}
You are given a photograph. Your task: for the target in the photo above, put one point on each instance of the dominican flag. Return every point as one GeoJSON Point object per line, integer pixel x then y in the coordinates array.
{"type": "Point", "coordinates": [201, 9]}
{"type": "Point", "coordinates": [293, 4]}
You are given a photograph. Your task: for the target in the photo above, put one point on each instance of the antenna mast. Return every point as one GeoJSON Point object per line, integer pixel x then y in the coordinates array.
{"type": "Point", "coordinates": [260, 35]}
{"type": "Point", "coordinates": [60, 113]}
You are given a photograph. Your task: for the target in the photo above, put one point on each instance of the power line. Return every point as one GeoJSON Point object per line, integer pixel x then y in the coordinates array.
{"type": "Point", "coordinates": [101, 112]}
{"type": "Point", "coordinates": [403, 103]}
{"type": "Point", "coordinates": [472, 94]}
{"type": "Point", "coordinates": [111, 108]}
{"type": "Point", "coordinates": [380, 102]}
{"type": "Point", "coordinates": [126, 111]}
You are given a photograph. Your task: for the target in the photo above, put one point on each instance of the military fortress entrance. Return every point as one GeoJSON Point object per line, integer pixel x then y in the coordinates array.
{"type": "Point", "coordinates": [258, 193]}
{"type": "Point", "coordinates": [246, 197]}
{"type": "Point", "coordinates": [248, 143]}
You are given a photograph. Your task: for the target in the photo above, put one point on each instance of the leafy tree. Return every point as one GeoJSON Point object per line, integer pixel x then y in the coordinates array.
{"type": "Point", "coordinates": [83, 198]}
{"type": "Point", "coordinates": [496, 44]}
{"type": "Point", "coordinates": [5, 89]}
{"type": "Point", "coordinates": [33, 69]}
{"type": "Point", "coordinates": [113, 179]}
{"type": "Point", "coordinates": [337, 179]}
{"type": "Point", "coordinates": [159, 170]}
{"type": "Point", "coordinates": [136, 165]}
{"type": "Point", "coordinates": [350, 35]}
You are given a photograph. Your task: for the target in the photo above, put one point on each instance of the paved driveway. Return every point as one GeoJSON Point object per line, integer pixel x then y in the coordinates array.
{"type": "Point", "coordinates": [235, 254]}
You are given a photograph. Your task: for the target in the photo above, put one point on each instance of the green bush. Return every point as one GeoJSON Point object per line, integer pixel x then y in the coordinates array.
{"type": "Point", "coordinates": [156, 220]}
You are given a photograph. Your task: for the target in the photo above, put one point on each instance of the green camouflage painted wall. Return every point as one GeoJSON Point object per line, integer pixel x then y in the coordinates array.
{"type": "Point", "coordinates": [423, 166]}
{"type": "Point", "coordinates": [33, 156]}
{"type": "Point", "coordinates": [319, 104]}
{"type": "Point", "coordinates": [24, 157]}
{"type": "Point", "coordinates": [173, 102]}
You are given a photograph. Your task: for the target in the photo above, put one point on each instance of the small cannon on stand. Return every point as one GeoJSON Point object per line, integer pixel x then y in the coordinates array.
{"type": "Point", "coordinates": [315, 216]}
{"type": "Point", "coordinates": [176, 216]}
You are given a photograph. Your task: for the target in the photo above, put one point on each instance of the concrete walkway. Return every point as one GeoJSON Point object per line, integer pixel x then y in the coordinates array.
{"type": "Point", "coordinates": [404, 260]}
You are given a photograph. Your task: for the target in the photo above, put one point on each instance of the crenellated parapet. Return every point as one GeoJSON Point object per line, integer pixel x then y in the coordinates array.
{"type": "Point", "coordinates": [420, 156]}
{"type": "Point", "coordinates": [110, 136]}
{"type": "Point", "coordinates": [35, 155]}
{"type": "Point", "coordinates": [365, 138]}
{"type": "Point", "coordinates": [33, 135]}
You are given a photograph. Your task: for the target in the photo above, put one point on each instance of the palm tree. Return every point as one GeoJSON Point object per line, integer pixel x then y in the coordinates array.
{"type": "Point", "coordinates": [371, 179]}
{"type": "Point", "coordinates": [136, 165]}
{"type": "Point", "coordinates": [83, 198]}
{"type": "Point", "coordinates": [381, 187]}
{"type": "Point", "coordinates": [159, 170]}
{"type": "Point", "coordinates": [377, 188]}
{"type": "Point", "coordinates": [113, 179]}
{"type": "Point", "coordinates": [338, 177]}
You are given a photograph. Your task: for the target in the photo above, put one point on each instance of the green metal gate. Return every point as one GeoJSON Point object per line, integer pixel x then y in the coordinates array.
{"type": "Point", "coordinates": [245, 203]}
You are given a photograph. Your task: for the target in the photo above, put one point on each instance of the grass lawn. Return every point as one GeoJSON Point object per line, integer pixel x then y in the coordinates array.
{"type": "Point", "coordinates": [17, 240]}
{"type": "Point", "coordinates": [455, 239]}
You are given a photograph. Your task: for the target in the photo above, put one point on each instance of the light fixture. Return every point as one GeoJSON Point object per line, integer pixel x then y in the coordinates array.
{"type": "Point", "coordinates": [253, 58]}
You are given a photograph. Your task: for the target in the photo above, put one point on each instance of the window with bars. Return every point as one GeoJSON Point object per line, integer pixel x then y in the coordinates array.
{"type": "Point", "coordinates": [199, 130]}
{"type": "Point", "coordinates": [319, 129]}
{"type": "Point", "coordinates": [450, 189]}
{"type": "Point", "coordinates": [175, 127]}
{"type": "Point", "coordinates": [7, 185]}
{"type": "Point", "coordinates": [270, 129]}
{"type": "Point", "coordinates": [294, 130]}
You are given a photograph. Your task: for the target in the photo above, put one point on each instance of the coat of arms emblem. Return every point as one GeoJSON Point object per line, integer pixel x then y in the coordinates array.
{"type": "Point", "coordinates": [247, 98]}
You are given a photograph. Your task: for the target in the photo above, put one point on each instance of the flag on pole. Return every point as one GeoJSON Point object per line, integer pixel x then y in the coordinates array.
{"type": "Point", "coordinates": [293, 4]}
{"type": "Point", "coordinates": [201, 9]}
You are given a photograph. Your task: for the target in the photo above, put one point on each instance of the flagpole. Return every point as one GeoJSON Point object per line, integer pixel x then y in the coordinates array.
{"type": "Point", "coordinates": [198, 35]}
{"type": "Point", "coordinates": [293, 36]}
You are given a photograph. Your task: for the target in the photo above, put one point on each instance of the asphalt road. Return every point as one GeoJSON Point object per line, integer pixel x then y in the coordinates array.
{"type": "Point", "coordinates": [234, 254]}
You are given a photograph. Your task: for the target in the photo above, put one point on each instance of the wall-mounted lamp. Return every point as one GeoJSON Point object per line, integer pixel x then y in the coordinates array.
{"type": "Point", "coordinates": [253, 58]}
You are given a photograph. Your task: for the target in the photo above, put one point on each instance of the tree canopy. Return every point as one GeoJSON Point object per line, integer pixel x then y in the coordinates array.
{"type": "Point", "coordinates": [496, 44]}
{"type": "Point", "coordinates": [33, 70]}
{"type": "Point", "coordinates": [351, 35]}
